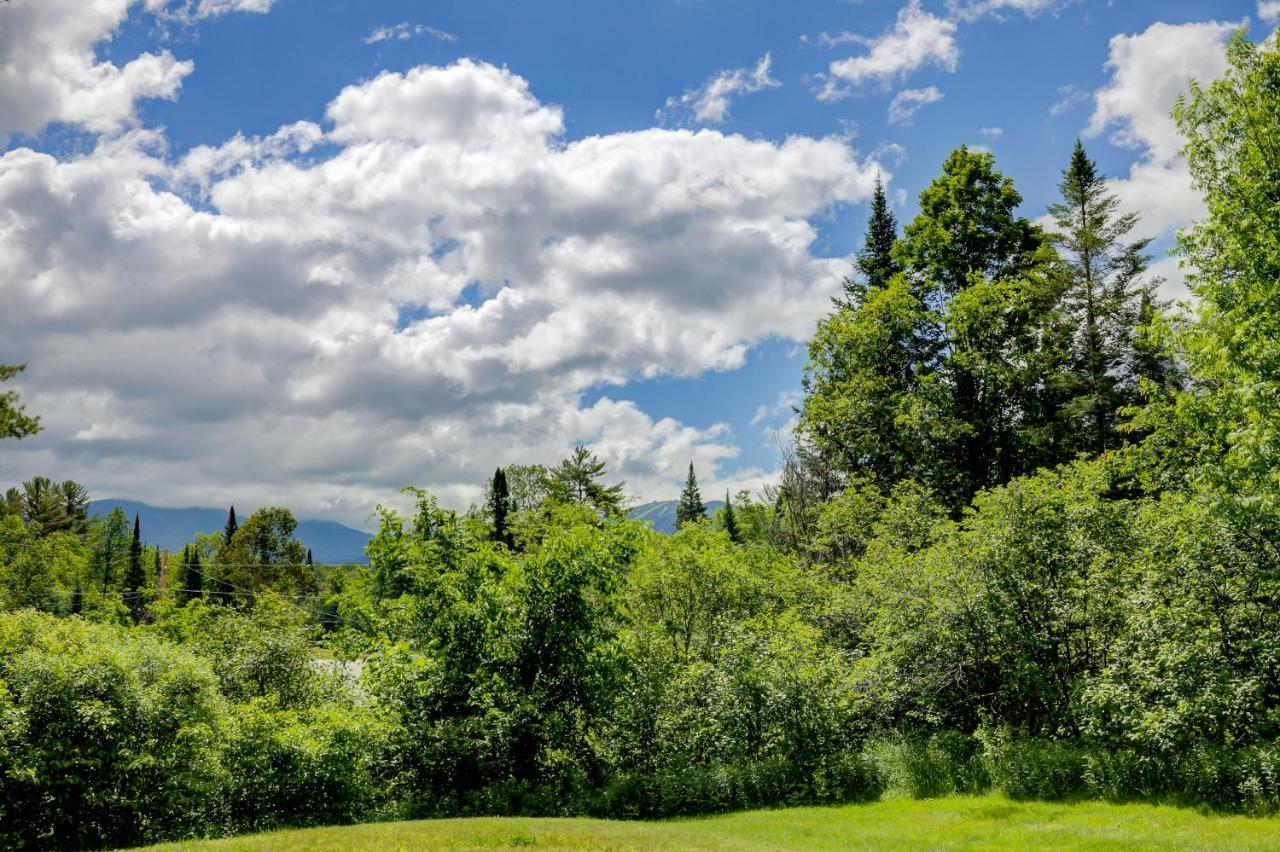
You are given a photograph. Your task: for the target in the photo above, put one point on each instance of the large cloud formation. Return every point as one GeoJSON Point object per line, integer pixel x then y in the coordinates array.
{"type": "Point", "coordinates": [426, 286]}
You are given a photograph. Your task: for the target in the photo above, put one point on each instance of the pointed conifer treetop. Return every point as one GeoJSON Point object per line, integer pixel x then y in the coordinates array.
{"type": "Point", "coordinates": [875, 264]}
{"type": "Point", "coordinates": [499, 507]}
{"type": "Point", "coordinates": [690, 509]}
{"type": "Point", "coordinates": [229, 532]}
{"type": "Point", "coordinates": [729, 521]}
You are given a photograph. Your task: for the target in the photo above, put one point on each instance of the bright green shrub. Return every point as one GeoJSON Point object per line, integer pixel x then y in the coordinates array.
{"type": "Point", "coordinates": [107, 736]}
{"type": "Point", "coordinates": [925, 767]}
{"type": "Point", "coordinates": [302, 767]}
{"type": "Point", "coordinates": [1032, 767]}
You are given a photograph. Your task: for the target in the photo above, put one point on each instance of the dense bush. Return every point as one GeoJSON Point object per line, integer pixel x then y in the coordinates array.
{"type": "Point", "coordinates": [302, 767]}
{"type": "Point", "coordinates": [109, 737]}
{"type": "Point", "coordinates": [927, 766]}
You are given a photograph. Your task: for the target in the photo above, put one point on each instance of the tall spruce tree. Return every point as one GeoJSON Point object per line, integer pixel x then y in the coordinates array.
{"type": "Point", "coordinates": [500, 509]}
{"type": "Point", "coordinates": [690, 509]}
{"type": "Point", "coordinates": [135, 577]}
{"type": "Point", "coordinates": [192, 575]}
{"type": "Point", "coordinates": [1103, 298]}
{"type": "Point", "coordinates": [729, 521]}
{"type": "Point", "coordinates": [875, 265]}
{"type": "Point", "coordinates": [229, 531]}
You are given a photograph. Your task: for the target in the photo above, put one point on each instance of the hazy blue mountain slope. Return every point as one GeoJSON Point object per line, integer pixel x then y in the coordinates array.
{"type": "Point", "coordinates": [662, 514]}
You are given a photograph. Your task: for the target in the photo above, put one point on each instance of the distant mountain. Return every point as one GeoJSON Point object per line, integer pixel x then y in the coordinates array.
{"type": "Point", "coordinates": [330, 542]}
{"type": "Point", "coordinates": [662, 514]}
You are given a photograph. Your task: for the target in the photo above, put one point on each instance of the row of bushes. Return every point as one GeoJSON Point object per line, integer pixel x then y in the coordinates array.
{"type": "Point", "coordinates": [114, 737]}
{"type": "Point", "coordinates": [1234, 779]}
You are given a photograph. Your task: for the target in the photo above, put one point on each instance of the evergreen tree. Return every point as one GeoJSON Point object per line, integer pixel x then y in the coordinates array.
{"type": "Point", "coordinates": [1153, 363]}
{"type": "Point", "coordinates": [12, 504]}
{"type": "Point", "coordinates": [13, 423]}
{"type": "Point", "coordinates": [311, 562]}
{"type": "Point", "coordinates": [135, 578]}
{"type": "Point", "coordinates": [220, 591]}
{"type": "Point", "coordinates": [192, 575]}
{"type": "Point", "coordinates": [43, 507]}
{"type": "Point", "coordinates": [690, 509]}
{"type": "Point", "coordinates": [1102, 300]}
{"type": "Point", "coordinates": [729, 521]}
{"type": "Point", "coordinates": [577, 480]}
{"type": "Point", "coordinates": [229, 532]}
{"type": "Point", "coordinates": [500, 509]}
{"type": "Point", "coordinates": [875, 265]}
{"type": "Point", "coordinates": [75, 506]}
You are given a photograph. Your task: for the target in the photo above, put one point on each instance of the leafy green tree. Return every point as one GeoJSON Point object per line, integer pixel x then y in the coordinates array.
{"type": "Point", "coordinates": [577, 480]}
{"type": "Point", "coordinates": [499, 508]}
{"type": "Point", "coordinates": [528, 484]}
{"type": "Point", "coordinates": [968, 228]}
{"type": "Point", "coordinates": [13, 422]}
{"type": "Point", "coordinates": [109, 549]}
{"type": "Point", "coordinates": [939, 375]}
{"type": "Point", "coordinates": [265, 554]}
{"type": "Point", "coordinates": [691, 587]}
{"type": "Point", "coordinates": [690, 509]}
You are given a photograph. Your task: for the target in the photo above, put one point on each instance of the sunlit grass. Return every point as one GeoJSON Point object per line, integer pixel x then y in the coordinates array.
{"type": "Point", "coordinates": [985, 822]}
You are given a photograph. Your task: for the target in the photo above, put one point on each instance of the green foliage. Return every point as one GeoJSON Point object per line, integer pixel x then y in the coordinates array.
{"type": "Point", "coordinates": [312, 766]}
{"type": "Point", "coordinates": [256, 652]}
{"type": "Point", "coordinates": [577, 480]}
{"type": "Point", "coordinates": [263, 554]}
{"type": "Point", "coordinates": [1104, 303]}
{"type": "Point", "coordinates": [108, 737]}
{"type": "Point", "coordinates": [927, 766]}
{"type": "Point", "coordinates": [14, 423]}
{"type": "Point", "coordinates": [500, 508]}
{"type": "Point", "coordinates": [875, 265]}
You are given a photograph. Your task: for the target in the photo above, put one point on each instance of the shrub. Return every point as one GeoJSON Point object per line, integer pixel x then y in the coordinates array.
{"type": "Point", "coordinates": [107, 736]}
{"type": "Point", "coordinates": [943, 764]}
{"type": "Point", "coordinates": [302, 767]}
{"type": "Point", "coordinates": [1033, 768]}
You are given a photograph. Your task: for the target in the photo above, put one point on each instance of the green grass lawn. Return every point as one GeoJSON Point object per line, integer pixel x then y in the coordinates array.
{"type": "Point", "coordinates": [986, 822]}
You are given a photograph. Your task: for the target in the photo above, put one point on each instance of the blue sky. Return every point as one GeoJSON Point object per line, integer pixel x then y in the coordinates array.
{"type": "Point", "coordinates": [1023, 78]}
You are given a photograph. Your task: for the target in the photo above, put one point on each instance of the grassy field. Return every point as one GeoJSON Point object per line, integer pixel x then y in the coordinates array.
{"type": "Point", "coordinates": [987, 822]}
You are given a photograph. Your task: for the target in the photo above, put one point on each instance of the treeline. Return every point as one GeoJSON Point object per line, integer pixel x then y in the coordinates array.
{"type": "Point", "coordinates": [54, 557]}
{"type": "Point", "coordinates": [1026, 541]}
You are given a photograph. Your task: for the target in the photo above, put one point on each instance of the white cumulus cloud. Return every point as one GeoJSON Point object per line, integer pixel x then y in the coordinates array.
{"type": "Point", "coordinates": [450, 286]}
{"type": "Point", "coordinates": [1148, 72]}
